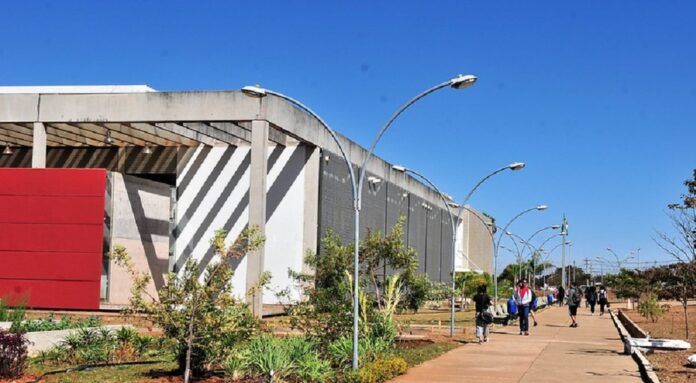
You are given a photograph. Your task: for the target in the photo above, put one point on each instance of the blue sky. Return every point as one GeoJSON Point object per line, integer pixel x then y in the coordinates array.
{"type": "Point", "coordinates": [599, 98]}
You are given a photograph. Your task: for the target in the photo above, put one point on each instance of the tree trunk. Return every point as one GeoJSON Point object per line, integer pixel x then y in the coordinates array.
{"type": "Point", "coordinates": [189, 345]}
{"type": "Point", "coordinates": [685, 303]}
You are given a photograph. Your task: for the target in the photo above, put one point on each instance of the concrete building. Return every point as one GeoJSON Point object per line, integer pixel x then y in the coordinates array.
{"type": "Point", "coordinates": [175, 167]}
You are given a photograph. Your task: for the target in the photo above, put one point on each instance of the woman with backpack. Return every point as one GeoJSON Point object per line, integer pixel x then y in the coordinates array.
{"type": "Point", "coordinates": [603, 299]}
{"type": "Point", "coordinates": [523, 300]}
{"type": "Point", "coordinates": [483, 316]}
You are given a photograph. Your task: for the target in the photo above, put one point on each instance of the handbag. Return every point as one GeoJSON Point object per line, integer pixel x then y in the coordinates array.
{"type": "Point", "coordinates": [486, 317]}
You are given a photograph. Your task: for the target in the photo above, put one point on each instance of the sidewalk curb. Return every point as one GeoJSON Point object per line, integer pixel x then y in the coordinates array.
{"type": "Point", "coordinates": [647, 372]}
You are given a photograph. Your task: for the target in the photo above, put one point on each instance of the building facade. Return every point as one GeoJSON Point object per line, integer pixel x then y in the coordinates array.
{"type": "Point", "coordinates": [179, 165]}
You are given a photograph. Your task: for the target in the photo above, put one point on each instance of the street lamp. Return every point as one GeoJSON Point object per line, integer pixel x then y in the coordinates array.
{"type": "Point", "coordinates": [495, 250]}
{"type": "Point", "coordinates": [619, 260]}
{"type": "Point", "coordinates": [512, 166]}
{"type": "Point", "coordinates": [447, 203]}
{"type": "Point", "coordinates": [459, 82]}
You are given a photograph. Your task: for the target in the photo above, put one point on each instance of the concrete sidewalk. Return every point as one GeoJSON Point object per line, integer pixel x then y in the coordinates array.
{"type": "Point", "coordinates": [552, 353]}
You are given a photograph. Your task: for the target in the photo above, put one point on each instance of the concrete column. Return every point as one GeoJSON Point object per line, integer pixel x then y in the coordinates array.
{"type": "Point", "coordinates": [38, 151]}
{"type": "Point", "coordinates": [311, 202]}
{"type": "Point", "coordinates": [257, 206]}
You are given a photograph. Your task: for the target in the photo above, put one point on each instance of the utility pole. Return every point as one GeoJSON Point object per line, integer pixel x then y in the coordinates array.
{"type": "Point", "coordinates": [564, 233]}
{"type": "Point", "coordinates": [587, 269]}
{"type": "Point", "coordinates": [574, 272]}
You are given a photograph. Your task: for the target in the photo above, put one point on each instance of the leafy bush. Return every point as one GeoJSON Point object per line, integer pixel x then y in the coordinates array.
{"type": "Point", "coordinates": [378, 371]}
{"type": "Point", "coordinates": [651, 308]}
{"type": "Point", "coordinates": [369, 349]}
{"type": "Point", "coordinates": [292, 358]}
{"type": "Point", "coordinates": [269, 357]}
{"type": "Point", "coordinates": [199, 313]}
{"type": "Point", "coordinates": [101, 345]}
{"type": "Point", "coordinates": [13, 354]}
{"type": "Point", "coordinates": [50, 324]}
{"type": "Point", "coordinates": [12, 312]}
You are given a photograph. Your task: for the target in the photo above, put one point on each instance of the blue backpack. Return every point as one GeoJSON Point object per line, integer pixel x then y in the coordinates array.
{"type": "Point", "coordinates": [550, 298]}
{"type": "Point", "coordinates": [511, 306]}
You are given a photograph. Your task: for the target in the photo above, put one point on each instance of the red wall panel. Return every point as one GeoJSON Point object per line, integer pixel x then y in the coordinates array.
{"type": "Point", "coordinates": [51, 236]}
{"type": "Point", "coordinates": [51, 209]}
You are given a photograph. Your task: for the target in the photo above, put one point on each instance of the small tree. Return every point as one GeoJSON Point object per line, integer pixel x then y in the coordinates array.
{"type": "Point", "coordinates": [201, 314]}
{"type": "Point", "coordinates": [682, 245]}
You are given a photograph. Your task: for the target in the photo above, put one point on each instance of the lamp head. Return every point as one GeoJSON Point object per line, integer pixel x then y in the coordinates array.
{"type": "Point", "coordinates": [542, 207]}
{"type": "Point", "coordinates": [463, 81]}
{"type": "Point", "coordinates": [147, 149]}
{"type": "Point", "coordinates": [108, 140]}
{"type": "Point", "coordinates": [517, 166]}
{"type": "Point", "coordinates": [7, 150]}
{"type": "Point", "coordinates": [555, 227]}
{"type": "Point", "coordinates": [254, 91]}
{"type": "Point", "coordinates": [399, 168]}
{"type": "Point", "coordinates": [508, 233]}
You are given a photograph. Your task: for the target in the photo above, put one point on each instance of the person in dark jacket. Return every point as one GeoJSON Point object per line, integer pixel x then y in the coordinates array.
{"type": "Point", "coordinates": [592, 298]}
{"type": "Point", "coordinates": [483, 302]}
{"type": "Point", "coordinates": [561, 295]}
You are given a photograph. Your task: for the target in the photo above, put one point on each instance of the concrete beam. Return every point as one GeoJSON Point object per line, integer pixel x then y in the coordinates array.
{"type": "Point", "coordinates": [257, 207]}
{"type": "Point", "coordinates": [38, 152]}
{"type": "Point", "coordinates": [174, 131]}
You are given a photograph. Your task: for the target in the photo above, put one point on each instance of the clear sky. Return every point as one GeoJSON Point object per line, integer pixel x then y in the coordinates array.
{"type": "Point", "coordinates": [597, 97]}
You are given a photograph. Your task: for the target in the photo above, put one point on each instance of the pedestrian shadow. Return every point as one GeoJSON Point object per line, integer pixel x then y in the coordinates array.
{"type": "Point", "coordinates": [555, 325]}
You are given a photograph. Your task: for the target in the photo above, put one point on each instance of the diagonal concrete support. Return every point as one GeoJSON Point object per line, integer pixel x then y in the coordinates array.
{"type": "Point", "coordinates": [257, 207]}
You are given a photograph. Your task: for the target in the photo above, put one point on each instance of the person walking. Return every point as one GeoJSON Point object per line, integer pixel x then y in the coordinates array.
{"type": "Point", "coordinates": [592, 298]}
{"type": "Point", "coordinates": [561, 296]}
{"type": "Point", "coordinates": [603, 299]}
{"type": "Point", "coordinates": [533, 308]}
{"type": "Point", "coordinates": [574, 299]}
{"type": "Point", "coordinates": [483, 302]}
{"type": "Point", "coordinates": [523, 300]}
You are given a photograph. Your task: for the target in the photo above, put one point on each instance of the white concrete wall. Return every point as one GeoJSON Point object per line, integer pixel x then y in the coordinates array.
{"type": "Point", "coordinates": [140, 222]}
{"type": "Point", "coordinates": [285, 226]}
{"type": "Point", "coordinates": [212, 194]}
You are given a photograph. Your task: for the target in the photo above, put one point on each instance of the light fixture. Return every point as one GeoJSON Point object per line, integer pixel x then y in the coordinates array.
{"type": "Point", "coordinates": [399, 168]}
{"type": "Point", "coordinates": [8, 150]}
{"type": "Point", "coordinates": [463, 81]}
{"type": "Point", "coordinates": [254, 91]}
{"type": "Point", "coordinates": [555, 227]}
{"type": "Point", "coordinates": [108, 140]}
{"type": "Point", "coordinates": [517, 166]}
{"type": "Point", "coordinates": [147, 149]}
{"type": "Point", "coordinates": [373, 180]}
{"type": "Point", "coordinates": [542, 207]}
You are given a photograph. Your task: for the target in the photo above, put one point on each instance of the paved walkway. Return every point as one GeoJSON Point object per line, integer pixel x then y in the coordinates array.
{"type": "Point", "coordinates": [552, 353]}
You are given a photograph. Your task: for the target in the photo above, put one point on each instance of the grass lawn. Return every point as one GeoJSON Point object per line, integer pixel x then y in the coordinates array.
{"type": "Point", "coordinates": [124, 373]}
{"type": "Point", "coordinates": [436, 317]}
{"type": "Point", "coordinates": [417, 355]}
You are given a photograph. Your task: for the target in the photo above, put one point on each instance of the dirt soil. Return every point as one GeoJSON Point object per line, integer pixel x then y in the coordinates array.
{"type": "Point", "coordinates": [671, 366]}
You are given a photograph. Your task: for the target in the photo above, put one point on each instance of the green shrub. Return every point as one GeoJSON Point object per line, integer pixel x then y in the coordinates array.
{"type": "Point", "coordinates": [12, 312]}
{"type": "Point", "coordinates": [13, 354]}
{"type": "Point", "coordinates": [378, 371]}
{"type": "Point", "coordinates": [196, 308]}
{"type": "Point", "coordinates": [341, 351]}
{"type": "Point", "coordinates": [50, 324]}
{"type": "Point", "coordinates": [268, 357]}
{"type": "Point", "coordinates": [651, 308]}
{"type": "Point", "coordinates": [101, 345]}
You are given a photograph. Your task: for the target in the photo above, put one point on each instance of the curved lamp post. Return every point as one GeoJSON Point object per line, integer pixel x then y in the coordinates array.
{"type": "Point", "coordinates": [619, 260]}
{"type": "Point", "coordinates": [459, 82]}
{"type": "Point", "coordinates": [454, 220]}
{"type": "Point", "coordinates": [495, 260]}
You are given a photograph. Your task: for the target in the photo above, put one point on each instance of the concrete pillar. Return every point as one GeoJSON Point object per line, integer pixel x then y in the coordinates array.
{"type": "Point", "coordinates": [38, 152]}
{"type": "Point", "coordinates": [311, 202]}
{"type": "Point", "coordinates": [257, 207]}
